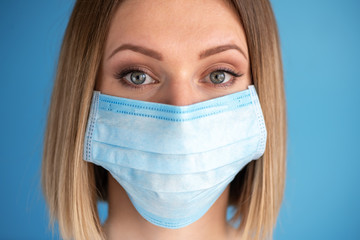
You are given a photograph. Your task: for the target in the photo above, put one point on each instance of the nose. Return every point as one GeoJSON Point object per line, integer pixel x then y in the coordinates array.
{"type": "Point", "coordinates": [179, 93]}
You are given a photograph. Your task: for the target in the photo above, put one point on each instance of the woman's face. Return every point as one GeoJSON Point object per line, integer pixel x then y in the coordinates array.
{"type": "Point", "coordinates": [174, 52]}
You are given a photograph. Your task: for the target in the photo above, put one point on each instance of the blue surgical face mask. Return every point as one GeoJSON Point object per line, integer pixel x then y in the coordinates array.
{"type": "Point", "coordinates": [174, 161]}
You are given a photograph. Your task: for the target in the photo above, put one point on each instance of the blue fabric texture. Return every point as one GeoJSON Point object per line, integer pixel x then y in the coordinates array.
{"type": "Point", "coordinates": [175, 161]}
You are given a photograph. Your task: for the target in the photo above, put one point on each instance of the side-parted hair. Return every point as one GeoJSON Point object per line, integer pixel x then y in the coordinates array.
{"type": "Point", "coordinates": [72, 186]}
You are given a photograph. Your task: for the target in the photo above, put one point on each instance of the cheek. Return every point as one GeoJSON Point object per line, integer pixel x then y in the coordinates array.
{"type": "Point", "coordinates": [248, 76]}
{"type": "Point", "coordinates": [105, 83]}
{"type": "Point", "coordinates": [99, 80]}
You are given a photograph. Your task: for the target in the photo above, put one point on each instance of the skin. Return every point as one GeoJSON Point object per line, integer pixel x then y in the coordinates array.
{"type": "Point", "coordinates": [179, 73]}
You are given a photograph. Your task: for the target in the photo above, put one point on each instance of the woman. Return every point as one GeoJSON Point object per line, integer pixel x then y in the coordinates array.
{"type": "Point", "coordinates": [137, 96]}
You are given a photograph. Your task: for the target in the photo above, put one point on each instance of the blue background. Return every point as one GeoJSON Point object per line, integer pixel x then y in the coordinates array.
{"type": "Point", "coordinates": [321, 48]}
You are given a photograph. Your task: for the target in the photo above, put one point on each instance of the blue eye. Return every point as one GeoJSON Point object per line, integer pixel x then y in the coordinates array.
{"type": "Point", "coordinates": [217, 77]}
{"type": "Point", "coordinates": [222, 76]}
{"type": "Point", "coordinates": [138, 78]}
{"type": "Point", "coordinates": [134, 77]}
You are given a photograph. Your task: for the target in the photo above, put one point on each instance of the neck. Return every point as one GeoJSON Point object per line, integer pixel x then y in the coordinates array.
{"type": "Point", "coordinates": [124, 222]}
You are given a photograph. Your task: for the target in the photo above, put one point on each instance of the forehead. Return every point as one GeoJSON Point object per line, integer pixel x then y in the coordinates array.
{"type": "Point", "coordinates": [175, 25]}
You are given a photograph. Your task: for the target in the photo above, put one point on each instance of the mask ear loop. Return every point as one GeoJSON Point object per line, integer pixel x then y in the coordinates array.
{"type": "Point", "coordinates": [261, 123]}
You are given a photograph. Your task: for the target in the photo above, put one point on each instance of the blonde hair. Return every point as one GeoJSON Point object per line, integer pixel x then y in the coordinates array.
{"type": "Point", "coordinates": [73, 186]}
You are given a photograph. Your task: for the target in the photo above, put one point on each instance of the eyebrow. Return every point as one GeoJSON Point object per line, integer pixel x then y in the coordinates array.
{"type": "Point", "coordinates": [154, 54]}
{"type": "Point", "coordinates": [219, 49]}
{"type": "Point", "coordinates": [139, 49]}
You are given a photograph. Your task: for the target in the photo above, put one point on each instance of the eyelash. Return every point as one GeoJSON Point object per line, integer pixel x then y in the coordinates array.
{"type": "Point", "coordinates": [120, 76]}
{"type": "Point", "coordinates": [228, 83]}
